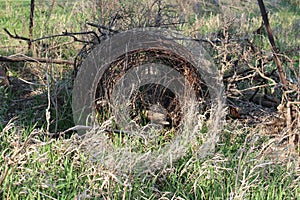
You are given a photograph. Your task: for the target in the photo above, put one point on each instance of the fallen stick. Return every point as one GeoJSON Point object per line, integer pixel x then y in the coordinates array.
{"type": "Point", "coordinates": [41, 60]}
{"type": "Point", "coordinates": [264, 15]}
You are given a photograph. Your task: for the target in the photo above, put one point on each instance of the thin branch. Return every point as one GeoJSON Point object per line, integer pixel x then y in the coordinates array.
{"type": "Point", "coordinates": [264, 15]}
{"type": "Point", "coordinates": [158, 18]}
{"type": "Point", "coordinates": [52, 6]}
{"type": "Point", "coordinates": [64, 34]}
{"type": "Point", "coordinates": [41, 60]}
{"type": "Point", "coordinates": [47, 111]}
{"type": "Point", "coordinates": [114, 18]}
{"type": "Point", "coordinates": [16, 36]}
{"type": "Point", "coordinates": [102, 27]}
{"type": "Point", "coordinates": [31, 24]}
{"type": "Point", "coordinates": [167, 24]}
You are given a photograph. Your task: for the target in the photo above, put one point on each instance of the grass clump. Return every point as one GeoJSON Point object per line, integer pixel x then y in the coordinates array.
{"type": "Point", "coordinates": [41, 167]}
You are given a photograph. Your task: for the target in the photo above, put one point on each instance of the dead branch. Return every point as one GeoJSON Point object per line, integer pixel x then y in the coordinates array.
{"type": "Point", "coordinates": [241, 72]}
{"type": "Point", "coordinates": [52, 6]}
{"type": "Point", "coordinates": [99, 26]}
{"type": "Point", "coordinates": [41, 60]}
{"type": "Point", "coordinates": [264, 15]}
{"type": "Point", "coordinates": [68, 34]}
{"type": "Point", "coordinates": [158, 18]}
{"type": "Point", "coordinates": [290, 121]}
{"type": "Point", "coordinates": [31, 24]}
{"type": "Point", "coordinates": [16, 36]}
{"type": "Point", "coordinates": [64, 34]}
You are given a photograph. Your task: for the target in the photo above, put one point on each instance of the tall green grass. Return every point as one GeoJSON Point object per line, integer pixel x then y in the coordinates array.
{"type": "Point", "coordinates": [59, 169]}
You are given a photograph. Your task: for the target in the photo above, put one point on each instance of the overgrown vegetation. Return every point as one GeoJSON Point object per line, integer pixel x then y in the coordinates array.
{"type": "Point", "coordinates": [256, 157]}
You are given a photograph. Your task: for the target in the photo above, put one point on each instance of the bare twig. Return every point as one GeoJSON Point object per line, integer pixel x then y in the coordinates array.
{"type": "Point", "coordinates": [48, 113]}
{"type": "Point", "coordinates": [264, 15]}
{"type": "Point", "coordinates": [257, 87]}
{"type": "Point", "coordinates": [68, 34]}
{"type": "Point", "coordinates": [289, 121]}
{"type": "Point", "coordinates": [31, 24]}
{"type": "Point", "coordinates": [41, 60]}
{"type": "Point", "coordinates": [102, 27]}
{"type": "Point", "coordinates": [114, 18]}
{"type": "Point", "coordinates": [16, 36]}
{"type": "Point", "coordinates": [241, 72]}
{"type": "Point", "coordinates": [158, 18]}
{"type": "Point", "coordinates": [52, 6]}
{"type": "Point", "coordinates": [64, 34]}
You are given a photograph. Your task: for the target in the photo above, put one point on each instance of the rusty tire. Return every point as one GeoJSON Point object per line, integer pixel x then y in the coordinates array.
{"type": "Point", "coordinates": [170, 50]}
